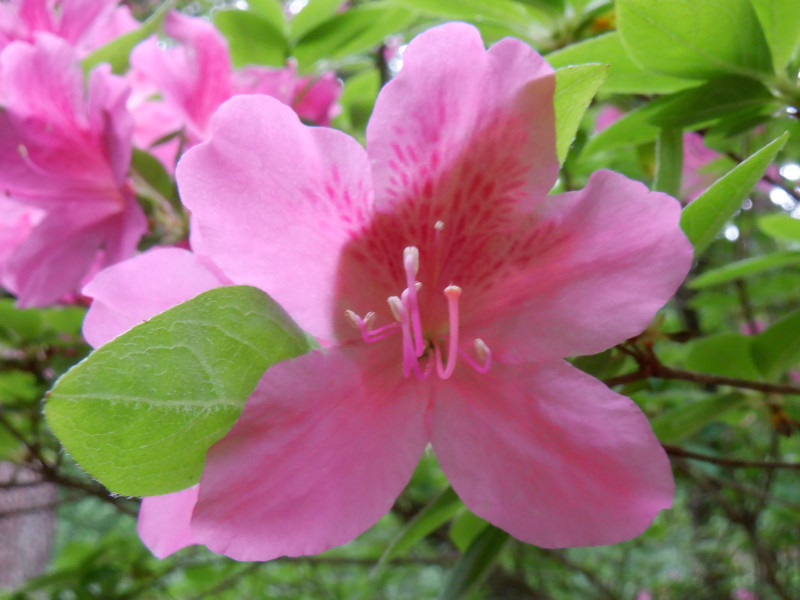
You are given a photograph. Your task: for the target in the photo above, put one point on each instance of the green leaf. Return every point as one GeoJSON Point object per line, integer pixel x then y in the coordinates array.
{"type": "Point", "coordinates": [19, 325]}
{"type": "Point", "coordinates": [118, 51]}
{"type": "Point", "coordinates": [311, 15]}
{"type": "Point", "coordinates": [358, 30]}
{"type": "Point", "coordinates": [777, 348]}
{"type": "Point", "coordinates": [440, 510]}
{"type": "Point", "coordinates": [706, 216]}
{"type": "Point", "coordinates": [694, 38]}
{"type": "Point", "coordinates": [152, 175]}
{"type": "Point", "coordinates": [465, 528]}
{"type": "Point", "coordinates": [669, 161]}
{"type": "Point", "coordinates": [681, 422]}
{"type": "Point", "coordinates": [140, 412]}
{"type": "Point", "coordinates": [709, 103]}
{"type": "Point", "coordinates": [505, 12]}
{"type": "Point", "coordinates": [726, 354]}
{"type": "Point", "coordinates": [475, 563]}
{"type": "Point", "coordinates": [575, 88]}
{"type": "Point", "coordinates": [780, 227]}
{"type": "Point", "coordinates": [252, 38]}
{"type": "Point", "coordinates": [780, 21]}
{"type": "Point", "coordinates": [624, 76]}
{"type": "Point", "coordinates": [269, 10]}
{"type": "Point", "coordinates": [744, 268]}
{"type": "Point", "coordinates": [631, 129]}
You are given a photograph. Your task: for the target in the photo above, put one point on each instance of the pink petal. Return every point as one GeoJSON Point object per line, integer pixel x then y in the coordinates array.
{"type": "Point", "coordinates": [164, 521]}
{"type": "Point", "coordinates": [316, 99]}
{"type": "Point", "coordinates": [131, 292]}
{"type": "Point", "coordinates": [550, 454]}
{"type": "Point", "coordinates": [53, 259]}
{"type": "Point", "coordinates": [460, 128]}
{"type": "Point", "coordinates": [591, 270]}
{"type": "Point", "coordinates": [194, 76]}
{"type": "Point", "coordinates": [273, 203]}
{"type": "Point", "coordinates": [324, 446]}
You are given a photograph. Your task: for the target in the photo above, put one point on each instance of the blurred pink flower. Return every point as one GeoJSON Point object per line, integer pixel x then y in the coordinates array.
{"type": "Point", "coordinates": [489, 282]}
{"type": "Point", "coordinates": [195, 77]}
{"type": "Point", "coordinates": [85, 24]}
{"type": "Point", "coordinates": [64, 154]}
{"type": "Point", "coordinates": [743, 594]}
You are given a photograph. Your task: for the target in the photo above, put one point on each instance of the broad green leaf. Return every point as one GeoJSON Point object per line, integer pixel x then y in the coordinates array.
{"type": "Point", "coordinates": [311, 15]}
{"type": "Point", "coordinates": [744, 268]}
{"type": "Point", "coordinates": [505, 12]}
{"type": "Point", "coordinates": [669, 161]}
{"type": "Point", "coordinates": [140, 412]}
{"type": "Point", "coordinates": [465, 528]}
{"type": "Point", "coordinates": [726, 354]}
{"type": "Point", "coordinates": [624, 76]}
{"type": "Point", "coordinates": [575, 88]}
{"type": "Point", "coordinates": [269, 10]}
{"type": "Point", "coordinates": [252, 38]}
{"type": "Point", "coordinates": [150, 173]}
{"type": "Point", "coordinates": [694, 38]}
{"type": "Point", "coordinates": [706, 216]}
{"type": "Point", "coordinates": [780, 21]}
{"type": "Point", "coordinates": [474, 564]}
{"type": "Point", "coordinates": [688, 109]}
{"type": "Point", "coordinates": [780, 227]}
{"type": "Point", "coordinates": [440, 510]}
{"type": "Point", "coordinates": [632, 129]}
{"type": "Point", "coordinates": [681, 422]}
{"type": "Point", "coordinates": [118, 51]}
{"type": "Point", "coordinates": [708, 103]}
{"type": "Point", "coordinates": [360, 29]}
{"type": "Point", "coordinates": [777, 348]}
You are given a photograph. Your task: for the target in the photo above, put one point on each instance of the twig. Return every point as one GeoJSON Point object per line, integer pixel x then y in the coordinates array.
{"type": "Point", "coordinates": [679, 452]}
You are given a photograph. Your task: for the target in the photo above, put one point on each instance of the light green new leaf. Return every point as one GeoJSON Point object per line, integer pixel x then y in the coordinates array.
{"type": "Point", "coordinates": [440, 510]}
{"type": "Point", "coordinates": [269, 10]}
{"type": "Point", "coordinates": [777, 348]}
{"type": "Point", "coordinates": [744, 268]}
{"type": "Point", "coordinates": [575, 88]}
{"type": "Point", "coordinates": [677, 424]}
{"type": "Point", "coordinates": [465, 528]}
{"type": "Point", "coordinates": [505, 12]}
{"type": "Point", "coordinates": [780, 20]}
{"type": "Point", "coordinates": [780, 227]}
{"type": "Point", "coordinates": [118, 51]}
{"type": "Point", "coordinates": [631, 129]}
{"type": "Point", "coordinates": [475, 563]}
{"type": "Point", "coordinates": [311, 15]}
{"type": "Point", "coordinates": [706, 216]}
{"type": "Point", "coordinates": [694, 38]}
{"type": "Point", "coordinates": [140, 412]}
{"type": "Point", "coordinates": [624, 76]}
{"type": "Point", "coordinates": [252, 39]}
{"type": "Point", "coordinates": [725, 354]}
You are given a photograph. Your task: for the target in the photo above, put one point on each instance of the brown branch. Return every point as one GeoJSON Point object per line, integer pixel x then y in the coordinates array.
{"type": "Point", "coordinates": [679, 452]}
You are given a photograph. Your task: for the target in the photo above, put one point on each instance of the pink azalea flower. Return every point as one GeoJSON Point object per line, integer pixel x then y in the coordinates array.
{"type": "Point", "coordinates": [196, 76]}
{"type": "Point", "coordinates": [65, 153]}
{"type": "Point", "coordinates": [447, 286]}
{"type": "Point", "coordinates": [85, 24]}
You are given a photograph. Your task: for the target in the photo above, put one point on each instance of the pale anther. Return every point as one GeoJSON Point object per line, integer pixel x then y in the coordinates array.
{"type": "Point", "coordinates": [481, 349]}
{"type": "Point", "coordinates": [439, 225]}
{"type": "Point", "coordinates": [452, 291]}
{"type": "Point", "coordinates": [411, 259]}
{"type": "Point", "coordinates": [353, 318]}
{"type": "Point", "coordinates": [396, 306]}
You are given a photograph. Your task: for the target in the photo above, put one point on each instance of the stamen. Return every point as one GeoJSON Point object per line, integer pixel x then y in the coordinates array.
{"type": "Point", "coordinates": [410, 362]}
{"type": "Point", "coordinates": [370, 336]}
{"type": "Point", "coordinates": [484, 354]}
{"type": "Point", "coordinates": [396, 305]}
{"type": "Point", "coordinates": [452, 293]}
{"type": "Point", "coordinates": [411, 264]}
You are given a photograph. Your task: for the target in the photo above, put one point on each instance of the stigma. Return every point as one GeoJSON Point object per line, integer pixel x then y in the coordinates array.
{"type": "Point", "coordinates": [423, 354]}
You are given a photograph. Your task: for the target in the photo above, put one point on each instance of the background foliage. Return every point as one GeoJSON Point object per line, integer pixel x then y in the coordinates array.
{"type": "Point", "coordinates": [716, 372]}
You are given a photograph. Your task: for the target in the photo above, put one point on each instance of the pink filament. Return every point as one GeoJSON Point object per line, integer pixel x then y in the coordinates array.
{"type": "Point", "coordinates": [452, 292]}
{"type": "Point", "coordinates": [409, 295]}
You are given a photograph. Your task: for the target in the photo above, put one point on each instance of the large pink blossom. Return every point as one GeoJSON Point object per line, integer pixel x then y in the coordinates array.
{"type": "Point", "coordinates": [64, 154]}
{"type": "Point", "coordinates": [446, 287]}
{"type": "Point", "coordinates": [85, 24]}
{"type": "Point", "coordinates": [195, 76]}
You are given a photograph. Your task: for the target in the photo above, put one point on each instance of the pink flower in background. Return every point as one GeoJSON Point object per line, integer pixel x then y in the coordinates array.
{"type": "Point", "coordinates": [85, 24]}
{"type": "Point", "coordinates": [64, 154]}
{"type": "Point", "coordinates": [195, 77]}
{"type": "Point", "coordinates": [447, 286]}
